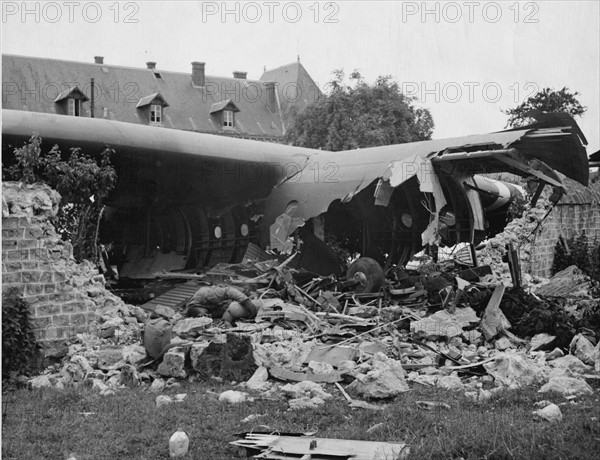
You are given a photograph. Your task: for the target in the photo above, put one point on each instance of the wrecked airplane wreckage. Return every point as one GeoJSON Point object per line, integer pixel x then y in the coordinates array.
{"type": "Point", "coordinates": [188, 200]}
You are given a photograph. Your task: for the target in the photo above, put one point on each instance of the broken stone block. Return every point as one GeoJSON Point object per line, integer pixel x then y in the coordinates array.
{"type": "Point", "coordinates": [318, 367]}
{"type": "Point", "coordinates": [163, 400]}
{"type": "Point", "coordinates": [305, 403]}
{"type": "Point", "coordinates": [139, 313]}
{"type": "Point", "coordinates": [550, 413]}
{"type": "Point", "coordinates": [234, 397]}
{"type": "Point", "coordinates": [568, 366]}
{"type": "Point", "coordinates": [196, 351]}
{"type": "Point", "coordinates": [567, 386]}
{"type": "Point", "coordinates": [347, 366]}
{"type": "Point", "coordinates": [96, 384]}
{"type": "Point", "coordinates": [385, 379]}
{"type": "Point", "coordinates": [41, 381]}
{"type": "Point", "coordinates": [556, 353]}
{"type": "Point", "coordinates": [449, 382]}
{"type": "Point", "coordinates": [157, 386]}
{"type": "Point", "coordinates": [173, 363]}
{"type": "Point", "coordinates": [109, 358]}
{"type": "Point", "coordinates": [190, 327]}
{"type": "Point", "coordinates": [542, 341]}
{"type": "Point", "coordinates": [164, 311]}
{"type": "Point", "coordinates": [258, 381]}
{"type": "Point", "coordinates": [305, 389]}
{"type": "Point", "coordinates": [583, 349]}
{"type": "Point", "coordinates": [83, 363]}
{"type": "Point", "coordinates": [179, 397]}
{"type": "Point", "coordinates": [133, 354]}
{"type": "Point", "coordinates": [445, 324]}
{"type": "Point", "coordinates": [503, 343]}
{"type": "Point", "coordinates": [514, 370]}
{"type": "Point", "coordinates": [129, 376]}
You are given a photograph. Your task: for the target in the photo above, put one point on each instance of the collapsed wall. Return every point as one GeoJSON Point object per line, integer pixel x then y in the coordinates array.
{"type": "Point", "coordinates": [65, 298]}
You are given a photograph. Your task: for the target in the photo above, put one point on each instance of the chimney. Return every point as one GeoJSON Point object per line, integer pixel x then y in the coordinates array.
{"type": "Point", "coordinates": [151, 65]}
{"type": "Point", "coordinates": [98, 59]}
{"type": "Point", "coordinates": [271, 96]}
{"type": "Point", "coordinates": [198, 78]}
{"type": "Point", "coordinates": [240, 75]}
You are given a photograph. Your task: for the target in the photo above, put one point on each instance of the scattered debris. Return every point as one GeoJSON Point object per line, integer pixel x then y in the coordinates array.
{"type": "Point", "coordinates": [234, 397]}
{"type": "Point", "coordinates": [550, 413]}
{"type": "Point", "coordinates": [272, 446]}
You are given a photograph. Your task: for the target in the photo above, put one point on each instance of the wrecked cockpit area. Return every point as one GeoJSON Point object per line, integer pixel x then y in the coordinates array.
{"type": "Point", "coordinates": [388, 203]}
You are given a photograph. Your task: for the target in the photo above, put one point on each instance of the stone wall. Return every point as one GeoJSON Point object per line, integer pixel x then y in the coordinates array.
{"type": "Point", "coordinates": [65, 298]}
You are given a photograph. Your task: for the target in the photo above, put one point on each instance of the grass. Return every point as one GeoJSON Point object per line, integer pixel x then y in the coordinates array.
{"type": "Point", "coordinates": [50, 424]}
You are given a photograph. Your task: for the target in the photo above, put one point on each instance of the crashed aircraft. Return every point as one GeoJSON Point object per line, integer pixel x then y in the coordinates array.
{"type": "Point", "coordinates": [187, 200]}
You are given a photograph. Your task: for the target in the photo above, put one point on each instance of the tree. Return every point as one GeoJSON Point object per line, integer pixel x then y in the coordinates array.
{"type": "Point", "coordinates": [360, 115]}
{"type": "Point", "coordinates": [546, 100]}
{"type": "Point", "coordinates": [83, 182]}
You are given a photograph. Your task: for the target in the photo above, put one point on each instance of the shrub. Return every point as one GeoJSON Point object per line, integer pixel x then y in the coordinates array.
{"type": "Point", "coordinates": [19, 345]}
{"type": "Point", "coordinates": [579, 251]}
{"type": "Point", "coordinates": [83, 182]}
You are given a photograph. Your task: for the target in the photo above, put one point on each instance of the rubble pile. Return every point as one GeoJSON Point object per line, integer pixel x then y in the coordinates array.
{"type": "Point", "coordinates": [317, 339]}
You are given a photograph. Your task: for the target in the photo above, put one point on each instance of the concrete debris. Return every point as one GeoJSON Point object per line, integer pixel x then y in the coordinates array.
{"type": "Point", "coordinates": [542, 341]}
{"type": "Point", "coordinates": [157, 386]}
{"type": "Point", "coordinates": [173, 363]}
{"type": "Point", "coordinates": [258, 381]}
{"type": "Point", "coordinates": [550, 413]}
{"type": "Point", "coordinates": [234, 397]}
{"type": "Point", "coordinates": [582, 348]}
{"type": "Point", "coordinates": [567, 386]}
{"type": "Point", "coordinates": [305, 389]}
{"type": "Point", "coordinates": [449, 382]}
{"type": "Point", "coordinates": [305, 403]}
{"type": "Point", "coordinates": [428, 321]}
{"type": "Point", "coordinates": [514, 370]}
{"type": "Point", "coordinates": [445, 324]}
{"type": "Point", "coordinates": [385, 379]}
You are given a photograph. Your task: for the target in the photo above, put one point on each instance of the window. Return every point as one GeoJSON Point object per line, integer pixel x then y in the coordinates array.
{"type": "Point", "coordinates": [228, 118]}
{"type": "Point", "coordinates": [74, 107]}
{"type": "Point", "coordinates": [155, 113]}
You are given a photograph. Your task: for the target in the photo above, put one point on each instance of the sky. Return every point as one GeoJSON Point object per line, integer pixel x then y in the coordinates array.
{"type": "Point", "coordinates": [464, 61]}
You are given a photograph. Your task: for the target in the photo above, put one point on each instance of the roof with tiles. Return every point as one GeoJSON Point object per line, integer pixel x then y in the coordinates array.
{"type": "Point", "coordinates": [295, 88]}
{"type": "Point", "coordinates": [33, 84]}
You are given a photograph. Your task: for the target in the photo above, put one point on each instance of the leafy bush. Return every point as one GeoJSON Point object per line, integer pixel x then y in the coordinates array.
{"type": "Point", "coordinates": [83, 182]}
{"type": "Point", "coordinates": [579, 251]}
{"type": "Point", "coordinates": [19, 345]}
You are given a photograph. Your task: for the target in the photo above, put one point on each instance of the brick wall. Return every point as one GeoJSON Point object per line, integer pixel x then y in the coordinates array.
{"type": "Point", "coordinates": [568, 220]}
{"type": "Point", "coordinates": [63, 296]}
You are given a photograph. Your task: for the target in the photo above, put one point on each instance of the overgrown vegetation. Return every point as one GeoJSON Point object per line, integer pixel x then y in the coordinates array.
{"type": "Point", "coordinates": [44, 424]}
{"type": "Point", "coordinates": [578, 250]}
{"type": "Point", "coordinates": [83, 182]}
{"type": "Point", "coordinates": [19, 345]}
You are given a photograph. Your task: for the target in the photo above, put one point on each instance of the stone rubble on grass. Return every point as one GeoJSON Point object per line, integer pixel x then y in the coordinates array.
{"type": "Point", "coordinates": [550, 413]}
{"type": "Point", "coordinates": [110, 355]}
{"type": "Point", "coordinates": [567, 386]}
{"type": "Point", "coordinates": [234, 397]}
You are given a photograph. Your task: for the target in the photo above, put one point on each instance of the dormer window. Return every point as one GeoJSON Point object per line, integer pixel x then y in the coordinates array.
{"type": "Point", "coordinates": [70, 101]}
{"type": "Point", "coordinates": [227, 118]}
{"type": "Point", "coordinates": [223, 112]}
{"type": "Point", "coordinates": [74, 107]}
{"type": "Point", "coordinates": [155, 113]}
{"type": "Point", "coordinates": [150, 108]}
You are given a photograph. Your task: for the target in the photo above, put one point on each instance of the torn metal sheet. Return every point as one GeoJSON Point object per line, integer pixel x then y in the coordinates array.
{"type": "Point", "coordinates": [283, 227]}
{"type": "Point", "coordinates": [273, 446]}
{"type": "Point", "coordinates": [431, 234]}
{"type": "Point", "coordinates": [330, 176]}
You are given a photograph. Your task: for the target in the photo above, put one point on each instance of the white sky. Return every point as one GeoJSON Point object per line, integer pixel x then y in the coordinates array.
{"type": "Point", "coordinates": [496, 54]}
